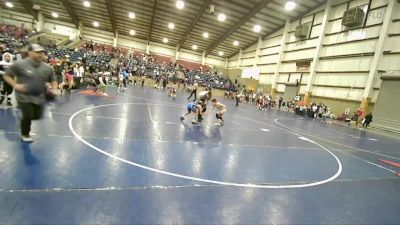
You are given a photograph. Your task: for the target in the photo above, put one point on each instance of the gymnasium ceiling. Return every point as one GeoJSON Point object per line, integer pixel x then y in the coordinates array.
{"type": "Point", "coordinates": [153, 16]}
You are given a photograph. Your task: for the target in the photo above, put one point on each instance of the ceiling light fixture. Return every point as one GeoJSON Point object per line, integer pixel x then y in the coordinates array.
{"type": "Point", "coordinates": [96, 24]}
{"type": "Point", "coordinates": [220, 53]}
{"type": "Point", "coordinates": [194, 47]}
{"type": "Point", "coordinates": [257, 28]}
{"type": "Point", "coordinates": [236, 43]}
{"type": "Point", "coordinates": [132, 32]}
{"type": "Point", "coordinates": [54, 14]}
{"type": "Point", "coordinates": [180, 4]}
{"type": "Point", "coordinates": [221, 17]}
{"type": "Point", "coordinates": [86, 3]}
{"type": "Point", "coordinates": [165, 40]}
{"type": "Point", "coordinates": [171, 26]}
{"type": "Point", "coordinates": [9, 4]}
{"type": "Point", "coordinates": [290, 5]}
{"type": "Point", "coordinates": [131, 15]}
{"type": "Point", "coordinates": [205, 35]}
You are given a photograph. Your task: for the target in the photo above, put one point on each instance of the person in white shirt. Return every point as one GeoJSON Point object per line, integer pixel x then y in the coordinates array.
{"type": "Point", "coordinates": [7, 89]}
{"type": "Point", "coordinates": [221, 111]}
{"type": "Point", "coordinates": [81, 71]}
{"type": "Point", "coordinates": [120, 82]}
{"type": "Point", "coordinates": [102, 85]}
{"type": "Point", "coordinates": [194, 90]}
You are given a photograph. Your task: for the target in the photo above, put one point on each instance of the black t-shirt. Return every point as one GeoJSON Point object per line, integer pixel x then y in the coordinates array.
{"type": "Point", "coordinates": [58, 70]}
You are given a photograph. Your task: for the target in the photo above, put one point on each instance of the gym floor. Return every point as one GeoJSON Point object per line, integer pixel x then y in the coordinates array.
{"type": "Point", "coordinates": [128, 159]}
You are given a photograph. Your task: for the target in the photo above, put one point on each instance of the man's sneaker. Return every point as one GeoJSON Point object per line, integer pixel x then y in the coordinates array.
{"type": "Point", "coordinates": [26, 139]}
{"type": "Point", "coordinates": [182, 118]}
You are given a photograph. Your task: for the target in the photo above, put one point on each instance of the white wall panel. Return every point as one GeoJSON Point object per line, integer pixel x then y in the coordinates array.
{"type": "Point", "coordinates": [270, 50]}
{"type": "Point", "coordinates": [345, 64]}
{"type": "Point", "coordinates": [60, 29]}
{"type": "Point", "coordinates": [293, 25]}
{"type": "Point", "coordinates": [374, 95]}
{"type": "Point", "coordinates": [337, 12]}
{"type": "Point", "coordinates": [268, 59]}
{"type": "Point", "coordinates": [302, 89]}
{"type": "Point", "coordinates": [302, 44]}
{"type": "Point", "coordinates": [376, 3]}
{"type": "Point", "coordinates": [297, 55]}
{"type": "Point", "coordinates": [16, 18]}
{"type": "Point", "coordinates": [394, 27]}
{"type": "Point", "coordinates": [304, 79]}
{"type": "Point", "coordinates": [358, 34]}
{"type": "Point", "coordinates": [247, 62]}
{"type": "Point", "coordinates": [98, 35]}
{"type": "Point", "coordinates": [307, 19]}
{"type": "Point", "coordinates": [232, 63]}
{"type": "Point", "coordinates": [288, 67]}
{"type": "Point", "coordinates": [376, 16]}
{"type": "Point", "coordinates": [190, 57]}
{"type": "Point", "coordinates": [265, 79]}
{"type": "Point", "coordinates": [291, 37]}
{"type": "Point", "coordinates": [343, 93]}
{"type": "Point", "coordinates": [280, 87]}
{"type": "Point", "coordinates": [162, 50]}
{"type": "Point", "coordinates": [214, 61]}
{"type": "Point", "coordinates": [278, 32]}
{"type": "Point", "coordinates": [283, 78]}
{"type": "Point", "coordinates": [132, 44]}
{"type": "Point", "coordinates": [248, 54]}
{"type": "Point", "coordinates": [352, 80]}
{"type": "Point", "coordinates": [267, 69]}
{"type": "Point", "coordinates": [293, 77]}
{"type": "Point", "coordinates": [251, 48]}
{"type": "Point", "coordinates": [396, 15]}
{"type": "Point", "coordinates": [389, 62]}
{"type": "Point", "coordinates": [318, 17]}
{"type": "Point", "coordinates": [349, 48]}
{"type": "Point", "coordinates": [271, 42]}
{"type": "Point", "coordinates": [357, 3]}
{"type": "Point", "coordinates": [316, 31]}
{"type": "Point", "coordinates": [236, 56]}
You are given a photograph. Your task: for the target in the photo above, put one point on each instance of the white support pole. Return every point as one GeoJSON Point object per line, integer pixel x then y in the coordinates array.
{"type": "Point", "coordinates": [177, 52]}
{"type": "Point", "coordinates": [239, 61]}
{"type": "Point", "coordinates": [79, 31]}
{"type": "Point", "coordinates": [115, 43]}
{"type": "Point", "coordinates": [258, 52]}
{"type": "Point", "coordinates": [203, 58]}
{"type": "Point", "coordinates": [280, 58]}
{"type": "Point", "coordinates": [315, 63]}
{"type": "Point", "coordinates": [1, 15]}
{"type": "Point", "coordinates": [366, 98]}
{"type": "Point", "coordinates": [40, 23]}
{"type": "Point", "coordinates": [148, 47]}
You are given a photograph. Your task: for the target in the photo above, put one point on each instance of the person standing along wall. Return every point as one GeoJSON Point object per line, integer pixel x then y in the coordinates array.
{"type": "Point", "coordinates": [28, 77]}
{"type": "Point", "coordinates": [7, 89]}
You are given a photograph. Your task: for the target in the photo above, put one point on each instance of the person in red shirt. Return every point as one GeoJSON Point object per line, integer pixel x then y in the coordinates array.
{"type": "Point", "coordinates": [359, 112]}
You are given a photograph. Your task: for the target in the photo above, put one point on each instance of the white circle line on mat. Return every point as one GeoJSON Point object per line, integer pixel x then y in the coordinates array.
{"type": "Point", "coordinates": [248, 185]}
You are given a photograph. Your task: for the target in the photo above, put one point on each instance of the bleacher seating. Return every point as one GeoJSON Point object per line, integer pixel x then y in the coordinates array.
{"type": "Point", "coordinates": [209, 79]}
{"type": "Point", "coordinates": [192, 65]}
{"type": "Point", "coordinates": [13, 37]}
